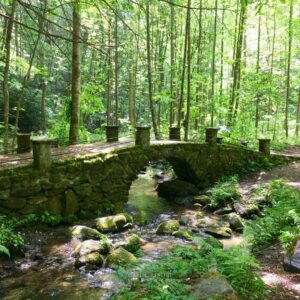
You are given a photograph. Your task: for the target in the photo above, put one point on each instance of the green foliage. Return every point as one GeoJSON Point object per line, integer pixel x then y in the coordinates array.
{"type": "Point", "coordinates": [169, 277]}
{"type": "Point", "coordinates": [224, 192]}
{"type": "Point", "coordinates": [9, 238]}
{"type": "Point", "coordinates": [4, 250]}
{"type": "Point", "coordinates": [282, 219]}
{"type": "Point", "coordinates": [51, 220]}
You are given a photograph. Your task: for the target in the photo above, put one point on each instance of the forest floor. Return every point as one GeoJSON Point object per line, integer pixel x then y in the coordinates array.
{"type": "Point", "coordinates": [281, 285]}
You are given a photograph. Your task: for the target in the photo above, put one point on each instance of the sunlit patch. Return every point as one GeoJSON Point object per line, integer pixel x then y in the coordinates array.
{"type": "Point", "coordinates": [295, 184]}
{"type": "Point", "coordinates": [273, 279]}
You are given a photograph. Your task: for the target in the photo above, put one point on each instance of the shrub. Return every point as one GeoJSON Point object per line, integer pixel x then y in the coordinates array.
{"type": "Point", "coordinates": [281, 220]}
{"type": "Point", "coordinates": [10, 241]}
{"type": "Point", "coordinates": [224, 192]}
{"type": "Point", "coordinates": [169, 276]}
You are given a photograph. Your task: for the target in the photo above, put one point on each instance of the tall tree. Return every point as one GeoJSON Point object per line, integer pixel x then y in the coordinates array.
{"type": "Point", "coordinates": [288, 72]}
{"type": "Point", "coordinates": [116, 70]}
{"type": "Point", "coordinates": [5, 88]}
{"type": "Point", "coordinates": [213, 67]}
{"type": "Point", "coordinates": [149, 66]}
{"type": "Point", "coordinates": [76, 82]}
{"type": "Point", "coordinates": [188, 97]}
{"type": "Point", "coordinates": [258, 96]}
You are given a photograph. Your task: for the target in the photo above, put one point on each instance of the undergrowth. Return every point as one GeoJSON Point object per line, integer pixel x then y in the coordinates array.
{"type": "Point", "coordinates": [281, 221]}
{"type": "Point", "coordinates": [11, 241]}
{"type": "Point", "coordinates": [172, 276]}
{"type": "Point", "coordinates": [224, 192]}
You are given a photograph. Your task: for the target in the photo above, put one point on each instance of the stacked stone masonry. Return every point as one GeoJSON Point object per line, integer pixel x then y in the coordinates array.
{"type": "Point", "coordinates": [101, 183]}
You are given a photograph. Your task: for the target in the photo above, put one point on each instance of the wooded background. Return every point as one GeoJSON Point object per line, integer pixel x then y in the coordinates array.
{"type": "Point", "coordinates": [68, 68]}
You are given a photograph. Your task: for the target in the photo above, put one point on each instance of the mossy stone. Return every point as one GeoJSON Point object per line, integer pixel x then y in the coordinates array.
{"type": "Point", "coordinates": [132, 243]}
{"type": "Point", "coordinates": [114, 223]}
{"type": "Point", "coordinates": [93, 258]}
{"type": "Point", "coordinates": [219, 232]}
{"type": "Point", "coordinates": [201, 199]}
{"type": "Point", "coordinates": [120, 257]}
{"type": "Point", "coordinates": [168, 227]}
{"type": "Point", "coordinates": [184, 234]}
{"type": "Point", "coordinates": [89, 246]}
{"type": "Point", "coordinates": [87, 233]}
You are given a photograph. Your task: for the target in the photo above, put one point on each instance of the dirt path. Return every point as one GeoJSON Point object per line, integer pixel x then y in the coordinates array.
{"type": "Point", "coordinates": [281, 285]}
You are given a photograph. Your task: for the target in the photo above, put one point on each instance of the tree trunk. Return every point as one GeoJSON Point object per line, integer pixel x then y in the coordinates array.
{"type": "Point", "coordinates": [234, 99]}
{"type": "Point", "coordinates": [288, 75]}
{"type": "Point", "coordinates": [257, 73]}
{"type": "Point", "coordinates": [180, 104]}
{"type": "Point", "coordinates": [172, 63]}
{"type": "Point", "coordinates": [222, 65]}
{"type": "Point", "coordinates": [213, 67]}
{"type": "Point", "coordinates": [109, 74]}
{"type": "Point", "coordinates": [188, 98]}
{"type": "Point", "coordinates": [116, 71]}
{"type": "Point", "coordinates": [75, 92]}
{"type": "Point", "coordinates": [6, 74]}
{"type": "Point", "coordinates": [199, 87]}
{"type": "Point", "coordinates": [298, 116]}
{"type": "Point", "coordinates": [149, 65]}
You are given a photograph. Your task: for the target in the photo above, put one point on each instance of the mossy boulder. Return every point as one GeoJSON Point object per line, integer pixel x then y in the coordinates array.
{"type": "Point", "coordinates": [246, 210]}
{"type": "Point", "coordinates": [120, 257]}
{"type": "Point", "coordinates": [183, 234]}
{"type": "Point", "coordinates": [176, 189]}
{"type": "Point", "coordinates": [235, 221]}
{"type": "Point", "coordinates": [219, 232]}
{"type": "Point", "coordinates": [201, 199]}
{"type": "Point", "coordinates": [185, 220]}
{"type": "Point", "coordinates": [114, 223]}
{"type": "Point", "coordinates": [86, 233]}
{"type": "Point", "coordinates": [168, 227]}
{"type": "Point", "coordinates": [132, 243]}
{"type": "Point", "coordinates": [213, 242]}
{"type": "Point", "coordinates": [214, 287]}
{"type": "Point", "coordinates": [89, 246]}
{"type": "Point", "coordinates": [94, 258]}
{"type": "Point", "coordinates": [292, 258]}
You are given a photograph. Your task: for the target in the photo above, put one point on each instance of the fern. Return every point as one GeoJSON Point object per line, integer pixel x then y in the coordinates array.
{"type": "Point", "coordinates": [4, 250]}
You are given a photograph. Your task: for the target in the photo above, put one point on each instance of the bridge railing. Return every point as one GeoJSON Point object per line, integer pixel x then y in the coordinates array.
{"type": "Point", "coordinates": [43, 155]}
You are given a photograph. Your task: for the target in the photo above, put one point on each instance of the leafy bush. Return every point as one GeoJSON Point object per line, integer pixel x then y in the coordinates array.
{"type": "Point", "coordinates": [282, 219]}
{"type": "Point", "coordinates": [224, 192]}
{"type": "Point", "coordinates": [49, 219]}
{"type": "Point", "coordinates": [169, 277]}
{"type": "Point", "coordinates": [4, 250]}
{"type": "Point", "coordinates": [10, 241]}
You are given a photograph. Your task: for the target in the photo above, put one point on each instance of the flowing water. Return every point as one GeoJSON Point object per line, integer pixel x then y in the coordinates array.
{"type": "Point", "coordinates": [47, 270]}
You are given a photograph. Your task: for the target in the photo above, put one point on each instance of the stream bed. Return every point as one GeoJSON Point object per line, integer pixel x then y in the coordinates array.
{"type": "Point", "coordinates": [47, 271]}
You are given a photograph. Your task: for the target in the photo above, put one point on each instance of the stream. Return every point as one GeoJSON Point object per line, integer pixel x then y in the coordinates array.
{"type": "Point", "coordinates": [47, 271]}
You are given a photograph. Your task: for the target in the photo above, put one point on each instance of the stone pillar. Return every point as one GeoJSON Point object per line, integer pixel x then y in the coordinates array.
{"type": "Point", "coordinates": [211, 135]}
{"type": "Point", "coordinates": [264, 146]}
{"type": "Point", "coordinates": [23, 142]}
{"type": "Point", "coordinates": [42, 153]}
{"type": "Point", "coordinates": [112, 133]}
{"type": "Point", "coordinates": [142, 136]}
{"type": "Point", "coordinates": [174, 133]}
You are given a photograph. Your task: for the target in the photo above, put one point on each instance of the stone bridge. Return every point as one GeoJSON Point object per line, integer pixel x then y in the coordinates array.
{"type": "Point", "coordinates": [101, 182]}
